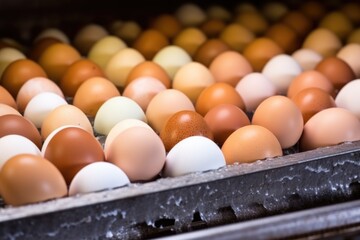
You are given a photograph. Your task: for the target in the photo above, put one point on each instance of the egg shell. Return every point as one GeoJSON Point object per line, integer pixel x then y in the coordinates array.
{"type": "Point", "coordinates": [87, 36]}
{"type": "Point", "coordinates": [282, 117]}
{"type": "Point", "coordinates": [7, 98]}
{"type": "Point", "coordinates": [34, 86]}
{"type": "Point", "coordinates": [236, 36]}
{"type": "Point", "coordinates": [17, 124]}
{"type": "Point", "coordinates": [114, 110]}
{"type": "Point", "coordinates": [249, 144]}
{"type": "Point", "coordinates": [337, 22]}
{"type": "Point", "coordinates": [189, 39]}
{"type": "Point", "coordinates": [191, 155]}
{"type": "Point", "coordinates": [27, 178]}
{"type": "Point", "coordinates": [126, 30]}
{"type": "Point", "coordinates": [298, 21]}
{"type": "Point", "coordinates": [216, 94]}
{"type": "Point", "coordinates": [322, 41]}
{"type": "Point", "coordinates": [166, 23]}
{"type": "Point", "coordinates": [52, 32]}
{"type": "Point", "coordinates": [6, 109]}
{"type": "Point", "coordinates": [220, 12]}
{"type": "Point", "coordinates": [39, 46]}
{"type": "Point", "coordinates": [252, 20]}
{"type": "Point", "coordinates": [71, 148]}
{"type": "Point", "coordinates": [96, 177]}
{"type": "Point", "coordinates": [13, 144]}
{"type": "Point", "coordinates": [213, 27]}
{"type": "Point", "coordinates": [190, 14]}
{"type": "Point", "coordinates": [330, 127]}
{"type": "Point", "coordinates": [211, 48]}
{"type": "Point", "coordinates": [286, 37]}
{"type": "Point", "coordinates": [149, 42]}
{"type": "Point", "coordinates": [307, 58]}
{"type": "Point", "coordinates": [139, 152]}
{"type": "Point", "coordinates": [224, 119]}
{"type": "Point", "coordinates": [314, 10]}
{"type": "Point", "coordinates": [349, 53]}
{"type": "Point", "coordinates": [7, 56]}
{"type": "Point", "coordinates": [92, 93]}
{"type": "Point", "coordinates": [184, 124]}
{"type": "Point", "coordinates": [274, 11]}
{"type": "Point", "coordinates": [165, 104]}
{"type": "Point", "coordinates": [348, 97]}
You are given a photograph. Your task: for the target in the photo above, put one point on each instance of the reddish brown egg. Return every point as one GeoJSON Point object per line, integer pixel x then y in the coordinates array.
{"type": "Point", "coordinates": [18, 72]}
{"type": "Point", "coordinates": [15, 124]}
{"type": "Point", "coordinates": [312, 100]}
{"type": "Point", "coordinates": [27, 178]}
{"type": "Point", "coordinates": [77, 73]}
{"type": "Point", "coordinates": [286, 37]}
{"type": "Point", "coordinates": [336, 70]}
{"type": "Point", "coordinates": [70, 149]}
{"type": "Point", "coordinates": [298, 21]}
{"type": "Point", "coordinates": [315, 10]}
{"type": "Point", "coordinates": [213, 27]}
{"type": "Point", "coordinates": [181, 125]}
{"type": "Point", "coordinates": [168, 24]}
{"type": "Point", "coordinates": [207, 51]}
{"type": "Point", "coordinates": [149, 42]}
{"type": "Point", "coordinates": [216, 94]}
{"type": "Point", "coordinates": [7, 98]}
{"type": "Point", "coordinates": [40, 45]}
{"type": "Point", "coordinates": [224, 119]}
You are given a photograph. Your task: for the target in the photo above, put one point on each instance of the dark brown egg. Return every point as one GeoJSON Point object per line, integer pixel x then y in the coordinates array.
{"type": "Point", "coordinates": [298, 21]}
{"type": "Point", "coordinates": [286, 37]}
{"type": "Point", "coordinates": [40, 45]}
{"type": "Point", "coordinates": [149, 42]}
{"type": "Point", "coordinates": [207, 51]}
{"type": "Point", "coordinates": [168, 24]}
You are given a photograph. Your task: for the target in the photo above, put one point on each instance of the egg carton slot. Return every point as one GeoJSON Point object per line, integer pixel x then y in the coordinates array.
{"type": "Point", "coordinates": [234, 194]}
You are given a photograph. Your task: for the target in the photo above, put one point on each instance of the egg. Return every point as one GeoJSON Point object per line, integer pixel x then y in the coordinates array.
{"type": "Point", "coordinates": [274, 11]}
{"type": "Point", "coordinates": [142, 90]}
{"type": "Point", "coordinates": [39, 46]}
{"type": "Point", "coordinates": [229, 67]}
{"type": "Point", "coordinates": [216, 11]}
{"type": "Point", "coordinates": [249, 144]}
{"type": "Point", "coordinates": [7, 98]}
{"type": "Point", "coordinates": [223, 120]}
{"type": "Point", "coordinates": [308, 79]}
{"type": "Point", "coordinates": [59, 116]}
{"type": "Point", "coordinates": [281, 70]}
{"type": "Point", "coordinates": [52, 32]}
{"type": "Point", "coordinates": [286, 37]}
{"type": "Point", "coordinates": [114, 110]}
{"type": "Point", "coordinates": [13, 144]}
{"type": "Point", "coordinates": [314, 10]}
{"type": "Point", "coordinates": [97, 176]}
{"type": "Point", "coordinates": [193, 155]}
{"type": "Point", "coordinates": [282, 117]}
{"type": "Point", "coordinates": [298, 21]}
{"type": "Point", "coordinates": [126, 30]}
{"type": "Point", "coordinates": [322, 41]}
{"type": "Point", "coordinates": [40, 106]}
{"type": "Point", "coordinates": [211, 48]}
{"type": "Point", "coordinates": [190, 14]}
{"type": "Point", "coordinates": [103, 49]}
{"type": "Point", "coordinates": [354, 36]}
{"type": "Point", "coordinates": [19, 125]}
{"type": "Point", "coordinates": [139, 152]}
{"type": "Point", "coordinates": [86, 36]}
{"type": "Point", "coordinates": [70, 148]}
{"type": "Point", "coordinates": [27, 178]}
{"type": "Point", "coordinates": [149, 42]}
{"type": "Point", "coordinates": [57, 58]}
{"type": "Point", "coordinates": [34, 86]}
{"type": "Point", "coordinates": [92, 93]}
{"type": "Point", "coordinates": [307, 58]}
{"type": "Point", "coordinates": [168, 24]}
{"type": "Point", "coordinates": [164, 104]}
{"type": "Point", "coordinates": [6, 109]}
{"type": "Point", "coordinates": [236, 36]}
{"type": "Point", "coordinates": [312, 100]}
{"type": "Point", "coordinates": [330, 127]}
{"type": "Point", "coordinates": [252, 20]}
{"type": "Point", "coordinates": [253, 89]}
{"type": "Point", "coordinates": [338, 23]}
{"type": "Point", "coordinates": [181, 125]}
{"type": "Point", "coordinates": [120, 64]}
{"type": "Point", "coordinates": [260, 51]}
{"type": "Point", "coordinates": [165, 58]}
{"type": "Point", "coordinates": [216, 94]}
{"type": "Point", "coordinates": [190, 39]}
{"type": "Point", "coordinates": [149, 69]}
{"type": "Point", "coordinates": [348, 97]}
{"type": "Point", "coordinates": [351, 10]}
{"type": "Point", "coordinates": [18, 72]}
{"type": "Point", "coordinates": [349, 54]}
{"type": "Point", "coordinates": [7, 56]}
{"type": "Point", "coordinates": [212, 27]}
{"type": "Point", "coordinates": [192, 78]}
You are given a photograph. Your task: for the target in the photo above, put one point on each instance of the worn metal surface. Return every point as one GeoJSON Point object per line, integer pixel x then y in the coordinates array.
{"type": "Point", "coordinates": [202, 200]}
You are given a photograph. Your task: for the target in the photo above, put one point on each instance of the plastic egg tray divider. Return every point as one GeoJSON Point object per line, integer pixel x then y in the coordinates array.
{"type": "Point", "coordinates": [202, 200]}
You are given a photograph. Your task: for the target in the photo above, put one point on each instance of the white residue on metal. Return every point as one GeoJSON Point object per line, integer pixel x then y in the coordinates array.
{"type": "Point", "coordinates": [319, 169]}
{"type": "Point", "coordinates": [109, 234]}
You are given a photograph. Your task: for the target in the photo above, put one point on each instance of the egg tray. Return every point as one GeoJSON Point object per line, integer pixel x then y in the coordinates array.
{"type": "Point", "coordinates": [168, 206]}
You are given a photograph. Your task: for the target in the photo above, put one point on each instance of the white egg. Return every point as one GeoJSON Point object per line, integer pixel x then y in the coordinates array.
{"type": "Point", "coordinates": [307, 58]}
{"type": "Point", "coordinates": [40, 105]}
{"type": "Point", "coordinates": [115, 110]}
{"type": "Point", "coordinates": [193, 154]}
{"type": "Point", "coordinates": [348, 97]}
{"type": "Point", "coordinates": [97, 176]}
{"type": "Point", "coordinates": [13, 144]}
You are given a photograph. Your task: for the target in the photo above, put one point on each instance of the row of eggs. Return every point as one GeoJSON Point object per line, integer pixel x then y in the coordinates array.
{"type": "Point", "coordinates": [171, 117]}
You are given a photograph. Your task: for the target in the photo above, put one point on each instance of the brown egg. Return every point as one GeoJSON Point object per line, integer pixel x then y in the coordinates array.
{"type": "Point", "coordinates": [298, 21]}
{"type": "Point", "coordinates": [149, 42]}
{"type": "Point", "coordinates": [168, 24]}
{"type": "Point", "coordinates": [40, 45]}
{"type": "Point", "coordinates": [57, 58]}
{"type": "Point", "coordinates": [252, 20]}
{"type": "Point", "coordinates": [209, 50]}
{"type": "Point", "coordinates": [6, 109]}
{"type": "Point", "coordinates": [27, 178]}
{"type": "Point", "coordinates": [349, 53]}
{"type": "Point", "coordinates": [286, 37]}
{"type": "Point", "coordinates": [87, 36]}
{"type": "Point", "coordinates": [249, 144]}
{"type": "Point", "coordinates": [330, 127]}
{"type": "Point", "coordinates": [338, 23]}
{"type": "Point", "coordinates": [224, 119]}
{"type": "Point", "coordinates": [92, 93]}
{"type": "Point", "coordinates": [236, 36]}
{"type": "Point", "coordinates": [315, 10]}
{"type": "Point", "coordinates": [260, 51]}
{"type": "Point", "coordinates": [149, 69]}
{"type": "Point", "coordinates": [126, 30]}
{"type": "Point", "coordinates": [213, 27]}
{"type": "Point", "coordinates": [312, 100]}
{"type": "Point", "coordinates": [308, 79]}
{"type": "Point", "coordinates": [229, 67]}
{"type": "Point", "coordinates": [181, 125]}
{"type": "Point", "coordinates": [77, 73]}
{"type": "Point", "coordinates": [216, 94]}
{"type": "Point", "coordinates": [18, 72]}
{"type": "Point", "coordinates": [351, 10]}
{"type": "Point", "coordinates": [190, 39]}
{"type": "Point", "coordinates": [336, 70]}
{"type": "Point", "coordinates": [7, 56]}
{"type": "Point", "coordinates": [282, 117]}
{"type": "Point", "coordinates": [70, 149]}
{"type": "Point", "coordinates": [354, 36]}
{"type": "Point", "coordinates": [323, 41]}
{"type": "Point", "coordinates": [7, 98]}
{"type": "Point", "coordinates": [15, 124]}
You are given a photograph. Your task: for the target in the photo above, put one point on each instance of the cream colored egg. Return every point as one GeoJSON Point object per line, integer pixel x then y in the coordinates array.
{"type": "Point", "coordinates": [7, 56]}
{"type": "Point", "coordinates": [53, 33]}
